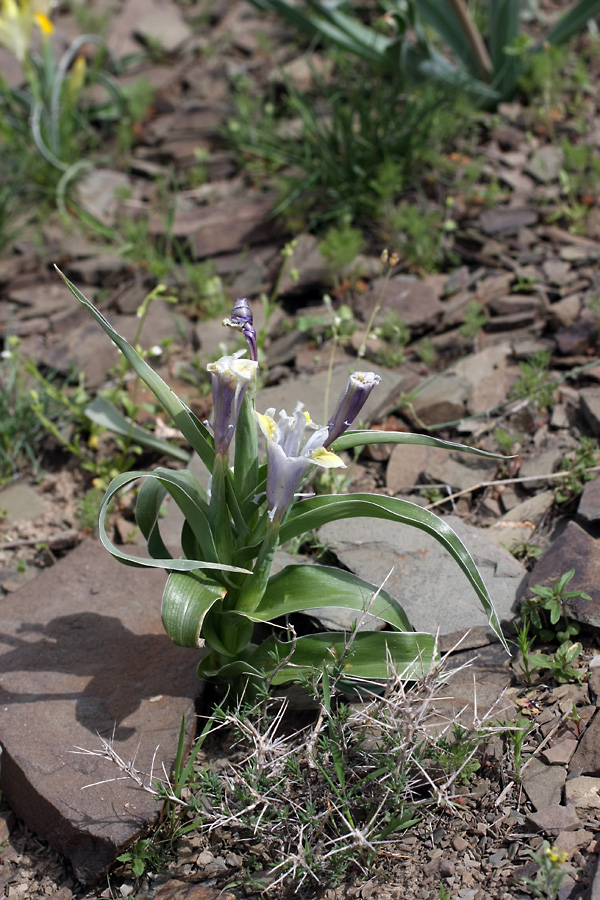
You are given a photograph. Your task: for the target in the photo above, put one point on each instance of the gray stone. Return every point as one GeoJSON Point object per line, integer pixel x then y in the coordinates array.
{"type": "Point", "coordinates": [566, 311]}
{"type": "Point", "coordinates": [98, 192]}
{"type": "Point", "coordinates": [589, 503]}
{"type": "Point", "coordinates": [543, 784]}
{"type": "Point", "coordinates": [553, 819]}
{"type": "Point", "coordinates": [506, 218]}
{"type": "Point", "coordinates": [570, 841]}
{"type": "Point", "coordinates": [490, 375]}
{"type": "Point", "coordinates": [532, 510]}
{"type": "Point", "coordinates": [574, 549]}
{"type": "Point", "coordinates": [590, 406]}
{"type": "Point", "coordinates": [442, 400]}
{"type": "Point", "coordinates": [414, 301]}
{"type": "Point", "coordinates": [583, 793]}
{"type": "Point", "coordinates": [310, 266]}
{"type": "Point", "coordinates": [546, 462]}
{"type": "Point", "coordinates": [546, 163]}
{"type": "Point", "coordinates": [19, 502]}
{"type": "Point", "coordinates": [84, 654]}
{"type": "Point", "coordinates": [560, 754]}
{"type": "Point", "coordinates": [411, 464]}
{"type": "Point", "coordinates": [424, 577]}
{"type": "Point", "coordinates": [586, 758]}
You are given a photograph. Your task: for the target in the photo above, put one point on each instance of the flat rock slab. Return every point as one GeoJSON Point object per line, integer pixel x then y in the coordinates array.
{"type": "Point", "coordinates": [425, 579]}
{"type": "Point", "coordinates": [574, 549]}
{"type": "Point", "coordinates": [83, 655]}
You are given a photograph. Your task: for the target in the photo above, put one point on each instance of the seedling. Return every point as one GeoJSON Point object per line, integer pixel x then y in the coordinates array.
{"type": "Point", "coordinates": [551, 874]}
{"type": "Point", "coordinates": [547, 608]}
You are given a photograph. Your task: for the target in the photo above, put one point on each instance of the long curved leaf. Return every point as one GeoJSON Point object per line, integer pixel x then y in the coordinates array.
{"type": "Point", "coordinates": [362, 438]}
{"type": "Point", "coordinates": [300, 588]}
{"type": "Point", "coordinates": [176, 565]}
{"type": "Point", "coordinates": [573, 21]}
{"type": "Point", "coordinates": [185, 603]}
{"type": "Point", "coordinates": [194, 432]}
{"type": "Point", "coordinates": [368, 656]}
{"type": "Point", "coordinates": [316, 511]}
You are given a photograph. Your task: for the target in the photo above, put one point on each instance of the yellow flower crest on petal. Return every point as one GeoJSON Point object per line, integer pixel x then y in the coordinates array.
{"type": "Point", "coordinates": [266, 424]}
{"type": "Point", "coordinates": [327, 459]}
{"type": "Point", "coordinates": [44, 23]}
{"type": "Point", "coordinates": [309, 421]}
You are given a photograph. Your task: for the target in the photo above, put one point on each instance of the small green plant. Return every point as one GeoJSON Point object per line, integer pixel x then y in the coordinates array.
{"type": "Point", "coordinates": [560, 663]}
{"type": "Point", "coordinates": [551, 874]}
{"type": "Point", "coordinates": [456, 754]}
{"type": "Point", "coordinates": [396, 334]}
{"type": "Point", "coordinates": [427, 353]}
{"type": "Point", "coordinates": [545, 609]}
{"type": "Point", "coordinates": [340, 247]}
{"type": "Point", "coordinates": [533, 384]}
{"type": "Point", "coordinates": [474, 321]}
{"type": "Point", "coordinates": [524, 643]}
{"type": "Point", "coordinates": [515, 735]}
{"type": "Point", "coordinates": [525, 550]}
{"type": "Point", "coordinates": [418, 234]}
{"type": "Point", "coordinates": [578, 466]}
{"type": "Point", "coordinates": [506, 440]}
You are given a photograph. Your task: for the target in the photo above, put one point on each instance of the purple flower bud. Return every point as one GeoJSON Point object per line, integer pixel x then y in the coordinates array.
{"type": "Point", "coordinates": [241, 319]}
{"type": "Point", "coordinates": [354, 397]}
{"type": "Point", "coordinates": [231, 377]}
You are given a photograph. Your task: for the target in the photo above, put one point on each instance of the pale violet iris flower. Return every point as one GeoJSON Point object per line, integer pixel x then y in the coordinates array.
{"type": "Point", "coordinates": [294, 445]}
{"type": "Point", "coordinates": [354, 397]}
{"type": "Point", "coordinates": [231, 377]}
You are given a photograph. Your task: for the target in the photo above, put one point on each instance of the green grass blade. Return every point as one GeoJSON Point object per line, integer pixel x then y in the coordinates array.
{"type": "Point", "coordinates": [300, 588]}
{"type": "Point", "coordinates": [316, 511]}
{"type": "Point", "coordinates": [503, 31]}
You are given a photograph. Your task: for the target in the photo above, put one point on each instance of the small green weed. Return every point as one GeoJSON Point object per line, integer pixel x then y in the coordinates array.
{"type": "Point", "coordinates": [560, 663]}
{"type": "Point", "coordinates": [577, 465]}
{"type": "Point", "coordinates": [474, 321]}
{"type": "Point", "coordinates": [340, 247]}
{"type": "Point", "coordinates": [546, 609]}
{"type": "Point", "coordinates": [396, 334]}
{"type": "Point", "coordinates": [514, 736]}
{"type": "Point", "coordinates": [418, 234]}
{"type": "Point", "coordinates": [525, 550]}
{"type": "Point", "coordinates": [533, 382]}
{"type": "Point", "coordinates": [551, 874]}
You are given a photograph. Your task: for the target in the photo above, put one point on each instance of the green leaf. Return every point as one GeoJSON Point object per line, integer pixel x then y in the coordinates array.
{"type": "Point", "coordinates": [310, 514]}
{"type": "Point", "coordinates": [179, 565]}
{"type": "Point", "coordinates": [362, 438]}
{"type": "Point", "coordinates": [147, 511]}
{"type": "Point", "coordinates": [300, 588]}
{"type": "Point", "coordinates": [368, 656]}
{"type": "Point", "coordinates": [104, 413]}
{"type": "Point", "coordinates": [573, 21]}
{"type": "Point", "coordinates": [191, 428]}
{"type": "Point", "coordinates": [503, 32]}
{"type": "Point", "coordinates": [186, 601]}
{"type": "Point", "coordinates": [442, 17]}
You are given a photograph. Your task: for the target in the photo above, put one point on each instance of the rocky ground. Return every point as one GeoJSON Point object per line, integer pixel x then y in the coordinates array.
{"type": "Point", "coordinates": [533, 273]}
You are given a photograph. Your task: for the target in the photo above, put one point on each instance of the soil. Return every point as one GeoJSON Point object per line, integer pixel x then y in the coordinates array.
{"type": "Point", "coordinates": [515, 249]}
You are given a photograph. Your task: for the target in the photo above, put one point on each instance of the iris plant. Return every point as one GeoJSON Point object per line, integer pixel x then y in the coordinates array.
{"type": "Point", "coordinates": [219, 590]}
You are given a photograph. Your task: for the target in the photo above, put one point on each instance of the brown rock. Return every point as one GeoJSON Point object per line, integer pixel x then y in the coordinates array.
{"type": "Point", "coordinates": [543, 784]}
{"type": "Point", "coordinates": [587, 756]}
{"type": "Point", "coordinates": [191, 890]}
{"type": "Point", "coordinates": [570, 841]}
{"type": "Point", "coordinates": [552, 820]}
{"type": "Point", "coordinates": [573, 549]}
{"type": "Point", "coordinates": [559, 754]}
{"type": "Point", "coordinates": [414, 301]}
{"type": "Point", "coordinates": [506, 218]}
{"type": "Point", "coordinates": [589, 503]}
{"type": "Point", "coordinates": [583, 792]}
{"type": "Point", "coordinates": [84, 655]}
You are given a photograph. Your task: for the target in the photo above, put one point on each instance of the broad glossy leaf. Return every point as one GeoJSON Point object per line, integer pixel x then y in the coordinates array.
{"type": "Point", "coordinates": [300, 588]}
{"type": "Point", "coordinates": [185, 603]}
{"type": "Point", "coordinates": [179, 565]}
{"type": "Point", "coordinates": [104, 413]}
{"type": "Point", "coordinates": [316, 511]}
{"type": "Point", "coordinates": [362, 438]}
{"type": "Point", "coordinates": [147, 512]}
{"type": "Point", "coordinates": [191, 428]}
{"type": "Point", "coordinates": [368, 656]}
